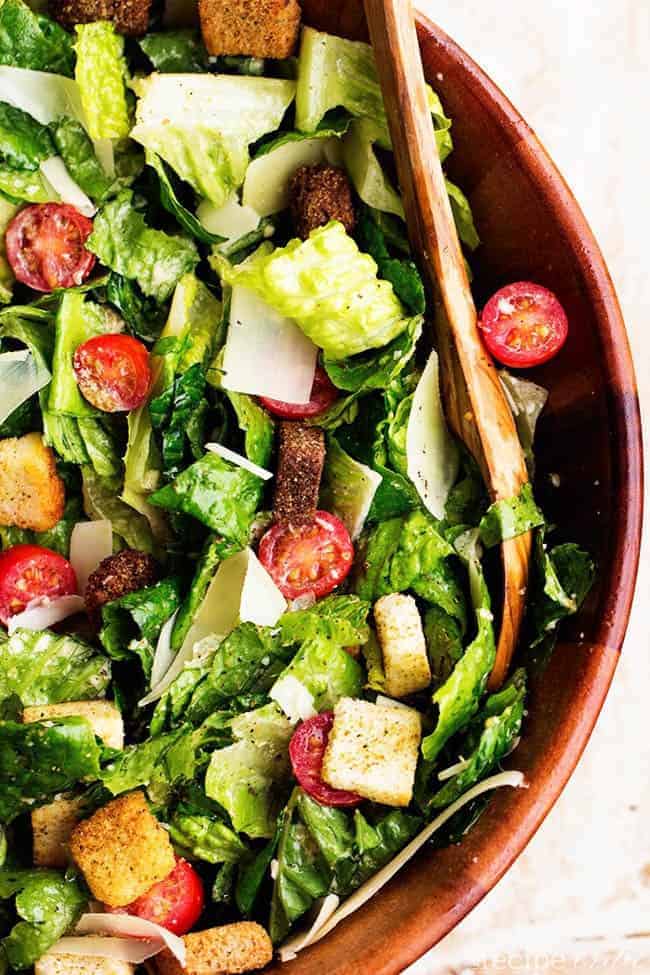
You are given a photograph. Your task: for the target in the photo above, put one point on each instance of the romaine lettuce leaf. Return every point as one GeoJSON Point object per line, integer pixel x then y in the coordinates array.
{"type": "Point", "coordinates": [207, 838]}
{"type": "Point", "coordinates": [526, 400]}
{"type": "Point", "coordinates": [76, 149]}
{"type": "Point", "coordinates": [122, 241]}
{"type": "Point", "coordinates": [561, 580]}
{"type": "Point", "coordinates": [181, 416]}
{"type": "Point", "coordinates": [402, 273]}
{"type": "Point", "coordinates": [348, 487]}
{"type": "Point", "coordinates": [27, 185]}
{"type": "Point", "coordinates": [48, 904]}
{"type": "Point", "coordinates": [180, 51]}
{"type": "Point", "coordinates": [144, 317]}
{"type": "Point", "coordinates": [30, 40]}
{"type": "Point", "coordinates": [462, 216]}
{"type": "Point", "coordinates": [44, 668]}
{"type": "Point", "coordinates": [444, 639]}
{"type": "Point", "coordinates": [77, 320]}
{"type": "Point", "coordinates": [257, 425]}
{"type": "Point", "coordinates": [366, 172]}
{"type": "Point", "coordinates": [361, 313]}
{"type": "Point", "coordinates": [101, 500]}
{"type": "Point", "coordinates": [510, 517]}
{"type": "Point", "coordinates": [100, 55]}
{"type": "Point", "coordinates": [375, 369]}
{"type": "Point", "coordinates": [132, 623]}
{"type": "Point", "coordinates": [24, 142]}
{"type": "Point", "coordinates": [169, 199]}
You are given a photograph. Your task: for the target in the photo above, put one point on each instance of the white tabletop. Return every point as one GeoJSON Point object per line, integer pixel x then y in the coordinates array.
{"type": "Point", "coordinates": [579, 74]}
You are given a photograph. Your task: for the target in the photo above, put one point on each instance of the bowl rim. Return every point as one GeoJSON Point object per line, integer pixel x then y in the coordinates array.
{"type": "Point", "coordinates": [416, 934]}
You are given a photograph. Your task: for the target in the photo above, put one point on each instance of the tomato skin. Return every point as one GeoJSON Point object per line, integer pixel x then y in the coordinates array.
{"type": "Point", "coordinates": [30, 571]}
{"type": "Point", "coordinates": [306, 751]}
{"type": "Point", "coordinates": [112, 372]}
{"type": "Point", "coordinates": [524, 325]}
{"type": "Point", "coordinates": [45, 246]}
{"type": "Point", "coordinates": [313, 558]}
{"type": "Point", "coordinates": [323, 394]}
{"type": "Point", "coordinates": [175, 903]}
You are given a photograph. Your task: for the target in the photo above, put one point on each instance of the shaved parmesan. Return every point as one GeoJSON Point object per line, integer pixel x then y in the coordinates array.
{"type": "Point", "coordinates": [431, 453]}
{"type": "Point", "coordinates": [266, 187]}
{"type": "Point", "coordinates": [129, 926]}
{"type": "Point", "coordinates": [43, 95]}
{"type": "Point", "coordinates": [327, 907]}
{"type": "Point", "coordinates": [349, 488]}
{"type": "Point", "coordinates": [294, 698]}
{"type": "Point", "coordinates": [241, 591]}
{"type": "Point", "coordinates": [449, 773]}
{"type": "Point", "coordinates": [240, 461]}
{"type": "Point", "coordinates": [513, 779]}
{"type": "Point", "coordinates": [231, 221]}
{"type": "Point", "coordinates": [266, 354]}
{"type": "Point", "coordinates": [41, 613]}
{"type": "Point", "coordinates": [70, 192]}
{"type": "Point", "coordinates": [164, 655]}
{"type": "Point", "coordinates": [20, 377]}
{"type": "Point", "coordinates": [90, 543]}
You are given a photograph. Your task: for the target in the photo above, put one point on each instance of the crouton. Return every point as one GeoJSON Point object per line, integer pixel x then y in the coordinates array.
{"type": "Point", "coordinates": [119, 574]}
{"type": "Point", "coordinates": [32, 494]}
{"type": "Point", "coordinates": [301, 455]}
{"type": "Point", "coordinates": [257, 28]}
{"type": "Point", "coordinates": [128, 16]}
{"type": "Point", "coordinates": [373, 750]}
{"type": "Point", "coordinates": [103, 717]}
{"type": "Point", "coordinates": [231, 948]}
{"type": "Point", "coordinates": [403, 647]}
{"type": "Point", "coordinates": [319, 194]}
{"type": "Point", "coordinates": [122, 850]}
{"type": "Point", "coordinates": [81, 965]}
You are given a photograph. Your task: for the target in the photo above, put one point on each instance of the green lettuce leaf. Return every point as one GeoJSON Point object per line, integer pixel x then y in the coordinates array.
{"type": "Point", "coordinates": [21, 184]}
{"type": "Point", "coordinates": [362, 313]}
{"type": "Point", "coordinates": [366, 172]}
{"type": "Point", "coordinates": [76, 149]}
{"type": "Point", "coordinates": [181, 415]}
{"type": "Point", "coordinates": [41, 759]}
{"type": "Point", "coordinates": [144, 317]}
{"type": "Point", "coordinates": [48, 904]}
{"type": "Point", "coordinates": [82, 441]}
{"type": "Point", "coordinates": [402, 274]}
{"type": "Point", "coordinates": [462, 216]}
{"type": "Point", "coordinates": [44, 668]}
{"type": "Point", "coordinates": [101, 500]}
{"type": "Point", "coordinates": [77, 321]}
{"type": "Point", "coordinates": [444, 639]}
{"type": "Point", "coordinates": [56, 538]}
{"type": "Point", "coordinates": [526, 400]}
{"type": "Point", "coordinates": [562, 578]}
{"type": "Point", "coordinates": [510, 517]}
{"type": "Point", "coordinates": [180, 51]}
{"type": "Point", "coordinates": [132, 623]}
{"type": "Point", "coordinates": [170, 201]}
{"type": "Point", "coordinates": [100, 55]}
{"type": "Point", "coordinates": [257, 425]}
{"type": "Point", "coordinates": [30, 40]}
{"type": "Point", "coordinates": [24, 142]}
{"type": "Point", "coordinates": [123, 242]}
{"type": "Point", "coordinates": [205, 838]}
{"type": "Point", "coordinates": [214, 552]}
{"type": "Point", "coordinates": [348, 487]}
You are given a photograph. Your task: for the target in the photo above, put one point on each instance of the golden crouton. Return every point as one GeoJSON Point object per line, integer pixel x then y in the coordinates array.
{"type": "Point", "coordinates": [403, 647]}
{"type": "Point", "coordinates": [32, 494]}
{"type": "Point", "coordinates": [258, 28]}
{"type": "Point", "coordinates": [81, 965]}
{"type": "Point", "coordinates": [122, 850]}
{"type": "Point", "coordinates": [128, 16]}
{"type": "Point", "coordinates": [102, 716]}
{"type": "Point", "coordinates": [372, 750]}
{"type": "Point", "coordinates": [231, 948]}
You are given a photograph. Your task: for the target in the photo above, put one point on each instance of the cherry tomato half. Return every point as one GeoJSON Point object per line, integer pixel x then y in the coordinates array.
{"type": "Point", "coordinates": [30, 571]}
{"type": "Point", "coordinates": [306, 750]}
{"type": "Point", "coordinates": [323, 394]}
{"type": "Point", "coordinates": [113, 372]}
{"type": "Point", "coordinates": [524, 325]}
{"type": "Point", "coordinates": [175, 903]}
{"type": "Point", "coordinates": [312, 558]}
{"type": "Point", "coordinates": [45, 246]}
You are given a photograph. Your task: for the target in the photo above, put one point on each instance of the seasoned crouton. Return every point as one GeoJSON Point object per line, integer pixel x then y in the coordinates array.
{"type": "Point", "coordinates": [119, 574]}
{"type": "Point", "coordinates": [122, 850]}
{"type": "Point", "coordinates": [319, 194]}
{"type": "Point", "coordinates": [373, 750]}
{"type": "Point", "coordinates": [301, 455]}
{"type": "Point", "coordinates": [128, 16]}
{"type": "Point", "coordinates": [81, 965]}
{"type": "Point", "coordinates": [231, 948]}
{"type": "Point", "coordinates": [403, 647]}
{"type": "Point", "coordinates": [258, 28]}
{"type": "Point", "coordinates": [32, 494]}
{"type": "Point", "coordinates": [103, 717]}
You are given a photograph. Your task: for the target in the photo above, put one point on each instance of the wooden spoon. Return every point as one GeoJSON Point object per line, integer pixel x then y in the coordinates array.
{"type": "Point", "coordinates": [475, 405]}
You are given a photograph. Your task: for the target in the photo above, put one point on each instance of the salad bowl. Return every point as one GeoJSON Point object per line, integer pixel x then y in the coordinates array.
{"type": "Point", "coordinates": [589, 478]}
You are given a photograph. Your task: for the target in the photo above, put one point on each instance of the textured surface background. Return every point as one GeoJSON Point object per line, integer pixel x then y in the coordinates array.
{"type": "Point", "coordinates": [579, 73]}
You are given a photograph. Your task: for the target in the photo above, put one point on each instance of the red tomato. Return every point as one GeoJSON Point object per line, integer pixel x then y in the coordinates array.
{"type": "Point", "coordinates": [524, 325]}
{"type": "Point", "coordinates": [312, 558]}
{"type": "Point", "coordinates": [175, 903]}
{"type": "Point", "coordinates": [306, 750]}
{"type": "Point", "coordinates": [323, 394]}
{"type": "Point", "coordinates": [30, 571]}
{"type": "Point", "coordinates": [113, 372]}
{"type": "Point", "coordinates": [45, 246]}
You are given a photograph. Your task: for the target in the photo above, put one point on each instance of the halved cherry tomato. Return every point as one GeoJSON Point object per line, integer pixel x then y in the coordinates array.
{"type": "Point", "coordinates": [323, 394]}
{"type": "Point", "coordinates": [175, 903]}
{"type": "Point", "coordinates": [30, 571]}
{"type": "Point", "coordinates": [312, 558]}
{"type": "Point", "coordinates": [113, 372]}
{"type": "Point", "coordinates": [306, 750]}
{"type": "Point", "coordinates": [524, 325]}
{"type": "Point", "coordinates": [45, 246]}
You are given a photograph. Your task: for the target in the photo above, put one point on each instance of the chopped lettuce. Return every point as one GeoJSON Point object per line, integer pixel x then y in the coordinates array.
{"type": "Point", "coordinates": [510, 517]}
{"type": "Point", "coordinates": [169, 198]}
{"type": "Point", "coordinates": [101, 500]}
{"type": "Point", "coordinates": [401, 272]}
{"type": "Point", "coordinates": [76, 149]}
{"type": "Point", "coordinates": [132, 623]}
{"type": "Point", "coordinates": [362, 313]}
{"type": "Point", "coordinates": [365, 170]}
{"type": "Point", "coordinates": [30, 40]}
{"type": "Point", "coordinates": [77, 320]}
{"type": "Point", "coordinates": [562, 577]}
{"type": "Point", "coordinates": [526, 400]}
{"type": "Point", "coordinates": [463, 218]}
{"type": "Point", "coordinates": [31, 187]}
{"type": "Point", "coordinates": [122, 241]}
{"type": "Point", "coordinates": [176, 51]}
{"type": "Point", "coordinates": [24, 142]}
{"type": "Point", "coordinates": [144, 317]}
{"type": "Point", "coordinates": [100, 55]}
{"type": "Point", "coordinates": [377, 368]}
{"type": "Point", "coordinates": [48, 904]}
{"type": "Point", "coordinates": [257, 426]}
{"type": "Point", "coordinates": [444, 639]}
{"type": "Point", "coordinates": [202, 125]}
{"type": "Point", "coordinates": [45, 668]}
{"type": "Point", "coordinates": [203, 837]}
{"type": "Point", "coordinates": [348, 487]}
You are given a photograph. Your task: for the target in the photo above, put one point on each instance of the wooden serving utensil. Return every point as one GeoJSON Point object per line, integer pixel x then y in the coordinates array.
{"type": "Point", "coordinates": [475, 405]}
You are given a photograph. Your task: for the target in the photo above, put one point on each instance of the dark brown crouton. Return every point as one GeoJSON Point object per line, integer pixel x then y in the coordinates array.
{"type": "Point", "coordinates": [118, 575]}
{"type": "Point", "coordinates": [319, 194]}
{"type": "Point", "coordinates": [229, 949]}
{"type": "Point", "coordinates": [128, 16]}
{"type": "Point", "coordinates": [257, 28]}
{"type": "Point", "coordinates": [301, 456]}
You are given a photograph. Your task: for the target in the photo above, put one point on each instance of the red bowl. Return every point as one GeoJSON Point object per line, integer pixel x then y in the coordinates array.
{"type": "Point", "coordinates": [531, 228]}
